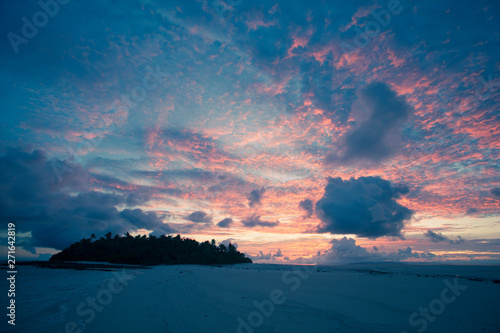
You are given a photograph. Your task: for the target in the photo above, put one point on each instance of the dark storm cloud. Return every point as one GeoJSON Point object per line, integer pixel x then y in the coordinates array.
{"type": "Point", "coordinates": [146, 220]}
{"type": "Point", "coordinates": [495, 191]}
{"type": "Point", "coordinates": [438, 237]}
{"type": "Point", "coordinates": [365, 207]}
{"type": "Point", "coordinates": [435, 237]}
{"type": "Point", "coordinates": [199, 217]}
{"type": "Point", "coordinates": [254, 220]}
{"type": "Point", "coordinates": [380, 115]}
{"type": "Point", "coordinates": [225, 223]}
{"type": "Point", "coordinates": [254, 197]}
{"type": "Point", "coordinates": [401, 189]}
{"type": "Point", "coordinates": [39, 195]}
{"type": "Point", "coordinates": [307, 206]}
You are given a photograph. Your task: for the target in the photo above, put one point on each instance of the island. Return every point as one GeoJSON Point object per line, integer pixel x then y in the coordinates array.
{"type": "Point", "coordinates": [150, 250]}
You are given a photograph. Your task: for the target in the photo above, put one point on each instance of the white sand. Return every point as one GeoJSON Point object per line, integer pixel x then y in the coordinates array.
{"type": "Point", "coordinates": [211, 299]}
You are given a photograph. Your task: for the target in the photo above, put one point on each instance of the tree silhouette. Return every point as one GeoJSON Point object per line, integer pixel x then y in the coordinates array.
{"type": "Point", "coordinates": [150, 250]}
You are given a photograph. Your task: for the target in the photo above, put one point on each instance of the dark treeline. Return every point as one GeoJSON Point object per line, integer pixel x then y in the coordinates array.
{"type": "Point", "coordinates": [152, 250]}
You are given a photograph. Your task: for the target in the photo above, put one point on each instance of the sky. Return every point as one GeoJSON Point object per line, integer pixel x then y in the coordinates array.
{"type": "Point", "coordinates": [303, 131]}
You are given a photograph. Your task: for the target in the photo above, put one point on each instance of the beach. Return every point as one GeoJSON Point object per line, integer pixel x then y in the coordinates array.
{"type": "Point", "coordinates": [260, 298]}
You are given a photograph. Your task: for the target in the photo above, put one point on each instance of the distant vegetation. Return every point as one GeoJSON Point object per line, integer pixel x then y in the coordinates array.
{"type": "Point", "coordinates": [142, 250]}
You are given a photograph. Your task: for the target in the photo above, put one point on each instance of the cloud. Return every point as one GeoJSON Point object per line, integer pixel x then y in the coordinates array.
{"type": "Point", "coordinates": [49, 198]}
{"type": "Point", "coordinates": [262, 256]}
{"type": "Point", "coordinates": [307, 206]}
{"type": "Point", "coordinates": [297, 74]}
{"type": "Point", "coordinates": [228, 241]}
{"type": "Point", "coordinates": [345, 250]}
{"type": "Point", "coordinates": [199, 217]}
{"type": "Point", "coordinates": [268, 256]}
{"type": "Point", "coordinates": [255, 196]}
{"type": "Point", "coordinates": [435, 237]}
{"type": "Point", "coordinates": [346, 247]}
{"type": "Point", "coordinates": [194, 146]}
{"type": "Point", "coordinates": [365, 207]}
{"type": "Point", "coordinates": [495, 191]}
{"type": "Point", "coordinates": [145, 220]}
{"type": "Point", "coordinates": [223, 182]}
{"type": "Point", "coordinates": [438, 237]}
{"type": "Point", "coordinates": [254, 220]}
{"type": "Point", "coordinates": [136, 194]}
{"type": "Point", "coordinates": [471, 211]}
{"type": "Point", "coordinates": [459, 240]}
{"type": "Point", "coordinates": [225, 223]}
{"type": "Point", "coordinates": [379, 115]}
